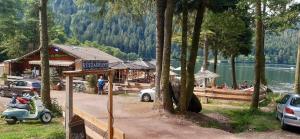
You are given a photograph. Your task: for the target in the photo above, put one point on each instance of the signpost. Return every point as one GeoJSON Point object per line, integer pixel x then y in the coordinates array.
{"type": "Point", "coordinates": [84, 67]}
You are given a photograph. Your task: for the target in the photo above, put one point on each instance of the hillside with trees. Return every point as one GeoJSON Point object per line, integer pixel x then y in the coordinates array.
{"type": "Point", "coordinates": [136, 35]}
{"type": "Point", "coordinates": [129, 34]}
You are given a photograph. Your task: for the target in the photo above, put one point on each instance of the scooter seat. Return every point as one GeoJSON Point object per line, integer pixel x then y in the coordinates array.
{"type": "Point", "coordinates": [19, 106]}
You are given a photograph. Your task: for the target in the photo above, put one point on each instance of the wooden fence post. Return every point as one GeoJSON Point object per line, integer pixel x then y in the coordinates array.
{"type": "Point", "coordinates": [110, 103]}
{"type": "Point", "coordinates": [69, 105]}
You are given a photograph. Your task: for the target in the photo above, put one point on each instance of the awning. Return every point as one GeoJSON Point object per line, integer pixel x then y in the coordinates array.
{"type": "Point", "coordinates": [53, 63]}
{"type": "Point", "coordinates": [206, 74]}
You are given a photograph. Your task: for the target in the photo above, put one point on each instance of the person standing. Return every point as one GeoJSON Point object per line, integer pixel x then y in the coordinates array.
{"type": "Point", "coordinates": [100, 85]}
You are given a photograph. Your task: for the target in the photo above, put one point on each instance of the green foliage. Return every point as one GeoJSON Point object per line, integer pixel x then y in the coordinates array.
{"type": "Point", "coordinates": [271, 98]}
{"type": "Point", "coordinates": [32, 129]}
{"type": "Point", "coordinates": [229, 36]}
{"type": "Point", "coordinates": [92, 80]}
{"type": "Point", "coordinates": [281, 48]}
{"type": "Point", "coordinates": [241, 119]}
{"type": "Point", "coordinates": [19, 32]}
{"type": "Point", "coordinates": [120, 30]}
{"type": "Point", "coordinates": [56, 109]}
{"type": "Point", "coordinates": [54, 77]}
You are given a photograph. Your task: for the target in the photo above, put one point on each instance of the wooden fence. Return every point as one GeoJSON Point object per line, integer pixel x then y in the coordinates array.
{"type": "Point", "coordinates": [118, 134]}
{"type": "Point", "coordinates": [227, 94]}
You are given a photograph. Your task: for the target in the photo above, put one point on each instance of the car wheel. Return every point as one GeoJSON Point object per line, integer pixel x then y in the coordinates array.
{"type": "Point", "coordinates": [283, 125]}
{"type": "Point", "coordinates": [146, 98]}
{"type": "Point", "coordinates": [2, 93]}
{"type": "Point", "coordinates": [46, 117]}
{"type": "Point", "coordinates": [11, 121]}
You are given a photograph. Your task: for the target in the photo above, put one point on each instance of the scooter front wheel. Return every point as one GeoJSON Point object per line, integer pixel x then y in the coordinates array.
{"type": "Point", "coordinates": [46, 117]}
{"type": "Point", "coordinates": [11, 121]}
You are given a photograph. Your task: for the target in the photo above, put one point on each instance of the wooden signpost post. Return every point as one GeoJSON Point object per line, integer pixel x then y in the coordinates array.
{"type": "Point", "coordinates": [87, 67]}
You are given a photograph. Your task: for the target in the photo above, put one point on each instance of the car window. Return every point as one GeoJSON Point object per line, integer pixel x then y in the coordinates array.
{"type": "Point", "coordinates": [21, 83]}
{"type": "Point", "coordinates": [36, 85]}
{"type": "Point", "coordinates": [284, 99]}
{"type": "Point", "coordinates": [296, 102]}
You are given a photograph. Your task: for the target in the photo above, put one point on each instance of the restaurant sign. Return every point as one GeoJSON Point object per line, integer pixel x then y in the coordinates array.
{"type": "Point", "coordinates": [92, 65]}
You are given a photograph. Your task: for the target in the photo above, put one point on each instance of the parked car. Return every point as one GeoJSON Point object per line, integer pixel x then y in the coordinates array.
{"type": "Point", "coordinates": [288, 110]}
{"type": "Point", "coordinates": [19, 87]}
{"type": "Point", "coordinates": [147, 95]}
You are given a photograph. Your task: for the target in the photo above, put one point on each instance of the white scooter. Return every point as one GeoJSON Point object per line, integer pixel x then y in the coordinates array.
{"type": "Point", "coordinates": [12, 115]}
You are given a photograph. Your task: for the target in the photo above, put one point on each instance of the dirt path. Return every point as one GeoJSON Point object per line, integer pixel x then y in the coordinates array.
{"type": "Point", "coordinates": [138, 120]}
{"type": "Point", "coordinates": [278, 134]}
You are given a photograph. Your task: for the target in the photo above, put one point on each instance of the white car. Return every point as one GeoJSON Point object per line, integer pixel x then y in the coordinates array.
{"type": "Point", "coordinates": [288, 110]}
{"type": "Point", "coordinates": [147, 95]}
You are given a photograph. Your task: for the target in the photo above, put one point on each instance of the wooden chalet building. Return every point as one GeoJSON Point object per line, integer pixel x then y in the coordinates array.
{"type": "Point", "coordinates": [61, 58]}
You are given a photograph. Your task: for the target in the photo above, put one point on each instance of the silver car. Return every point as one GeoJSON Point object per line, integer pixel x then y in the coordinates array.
{"type": "Point", "coordinates": [288, 110]}
{"type": "Point", "coordinates": [147, 95]}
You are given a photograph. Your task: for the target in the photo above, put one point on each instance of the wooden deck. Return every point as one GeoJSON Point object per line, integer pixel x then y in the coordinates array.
{"type": "Point", "coordinates": [227, 94]}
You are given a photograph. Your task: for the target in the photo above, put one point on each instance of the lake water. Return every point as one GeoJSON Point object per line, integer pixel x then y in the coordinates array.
{"type": "Point", "coordinates": [280, 77]}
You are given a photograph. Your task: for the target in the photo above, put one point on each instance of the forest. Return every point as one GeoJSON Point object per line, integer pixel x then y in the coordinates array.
{"type": "Point", "coordinates": [137, 35]}
{"type": "Point", "coordinates": [125, 36]}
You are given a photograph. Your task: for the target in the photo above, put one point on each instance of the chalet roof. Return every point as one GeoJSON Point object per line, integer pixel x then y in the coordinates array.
{"type": "Point", "coordinates": [206, 74]}
{"type": "Point", "coordinates": [87, 53]}
{"type": "Point", "coordinates": [127, 65]}
{"type": "Point", "coordinates": [144, 63]}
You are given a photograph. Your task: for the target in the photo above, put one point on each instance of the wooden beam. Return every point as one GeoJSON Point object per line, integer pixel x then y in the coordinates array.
{"type": "Point", "coordinates": [118, 134]}
{"type": "Point", "coordinates": [91, 133]}
{"type": "Point", "coordinates": [85, 72]}
{"type": "Point", "coordinates": [110, 106]}
{"type": "Point", "coordinates": [227, 96]}
{"type": "Point", "coordinates": [69, 105]}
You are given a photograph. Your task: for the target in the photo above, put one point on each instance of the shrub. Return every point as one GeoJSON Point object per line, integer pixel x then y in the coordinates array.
{"type": "Point", "coordinates": [56, 109]}
{"type": "Point", "coordinates": [54, 78]}
{"type": "Point", "coordinates": [92, 81]}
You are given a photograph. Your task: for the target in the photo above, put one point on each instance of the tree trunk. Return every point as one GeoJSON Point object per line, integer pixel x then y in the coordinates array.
{"type": "Point", "coordinates": [160, 11]}
{"type": "Point", "coordinates": [205, 61]}
{"type": "Point", "coordinates": [297, 72]}
{"type": "Point", "coordinates": [234, 83]}
{"type": "Point", "coordinates": [215, 60]}
{"type": "Point", "coordinates": [263, 59]}
{"type": "Point", "coordinates": [194, 51]}
{"type": "Point", "coordinates": [45, 88]}
{"type": "Point", "coordinates": [167, 100]}
{"type": "Point", "coordinates": [258, 45]}
{"type": "Point", "coordinates": [215, 66]}
{"type": "Point", "coordinates": [183, 106]}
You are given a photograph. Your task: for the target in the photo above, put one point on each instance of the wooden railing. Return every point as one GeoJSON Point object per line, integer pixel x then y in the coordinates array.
{"type": "Point", "coordinates": [227, 94]}
{"type": "Point", "coordinates": [118, 134]}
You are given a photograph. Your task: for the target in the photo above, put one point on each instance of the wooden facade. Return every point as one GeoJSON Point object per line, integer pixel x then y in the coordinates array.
{"type": "Point", "coordinates": [61, 58]}
{"type": "Point", "coordinates": [19, 65]}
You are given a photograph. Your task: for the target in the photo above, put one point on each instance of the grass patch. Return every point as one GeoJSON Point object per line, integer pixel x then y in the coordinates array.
{"type": "Point", "coordinates": [32, 130]}
{"type": "Point", "coordinates": [243, 119]}
{"type": "Point", "coordinates": [229, 102]}
{"type": "Point", "coordinates": [213, 124]}
{"type": "Point", "coordinates": [270, 98]}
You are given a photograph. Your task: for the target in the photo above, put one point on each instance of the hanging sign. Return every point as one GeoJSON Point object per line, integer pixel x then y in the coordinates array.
{"type": "Point", "coordinates": [92, 65]}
